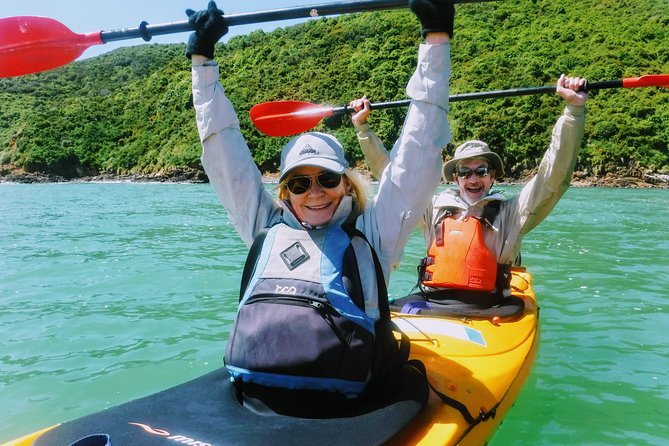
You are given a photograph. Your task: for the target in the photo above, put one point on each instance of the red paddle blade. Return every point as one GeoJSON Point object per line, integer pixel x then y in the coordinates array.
{"type": "Point", "coordinates": [30, 44]}
{"type": "Point", "coordinates": [649, 80]}
{"type": "Point", "coordinates": [285, 118]}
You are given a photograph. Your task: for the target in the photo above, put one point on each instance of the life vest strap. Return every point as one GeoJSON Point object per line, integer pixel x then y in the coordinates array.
{"type": "Point", "coordinates": [251, 261]}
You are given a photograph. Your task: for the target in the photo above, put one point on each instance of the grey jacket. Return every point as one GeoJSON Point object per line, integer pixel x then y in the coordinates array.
{"type": "Point", "coordinates": [518, 215]}
{"type": "Point", "coordinates": [410, 179]}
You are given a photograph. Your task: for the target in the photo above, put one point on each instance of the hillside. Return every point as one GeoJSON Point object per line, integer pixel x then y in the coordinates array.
{"type": "Point", "coordinates": [130, 111]}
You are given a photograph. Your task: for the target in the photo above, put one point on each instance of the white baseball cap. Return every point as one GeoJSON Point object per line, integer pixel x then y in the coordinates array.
{"type": "Point", "coordinates": [313, 149]}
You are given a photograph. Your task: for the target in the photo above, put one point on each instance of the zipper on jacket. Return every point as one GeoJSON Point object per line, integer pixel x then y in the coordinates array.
{"type": "Point", "coordinates": [326, 310]}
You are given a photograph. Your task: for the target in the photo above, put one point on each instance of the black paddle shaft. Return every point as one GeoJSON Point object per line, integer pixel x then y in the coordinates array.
{"type": "Point", "coordinates": [487, 95]}
{"type": "Point", "coordinates": [146, 31]}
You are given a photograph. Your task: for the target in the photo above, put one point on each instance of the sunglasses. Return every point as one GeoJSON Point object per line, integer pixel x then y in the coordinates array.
{"type": "Point", "coordinates": [301, 184]}
{"type": "Point", "coordinates": [480, 172]}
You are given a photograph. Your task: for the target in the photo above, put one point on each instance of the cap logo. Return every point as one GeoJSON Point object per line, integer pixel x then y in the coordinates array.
{"type": "Point", "coordinates": [307, 149]}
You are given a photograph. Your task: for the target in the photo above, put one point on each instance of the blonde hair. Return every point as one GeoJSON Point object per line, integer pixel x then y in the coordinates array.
{"type": "Point", "coordinates": [358, 190]}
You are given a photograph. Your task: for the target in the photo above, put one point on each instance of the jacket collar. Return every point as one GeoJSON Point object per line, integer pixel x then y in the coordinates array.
{"type": "Point", "coordinates": [450, 200]}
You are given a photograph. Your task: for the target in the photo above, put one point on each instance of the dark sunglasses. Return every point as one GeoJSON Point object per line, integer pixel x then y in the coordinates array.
{"type": "Point", "coordinates": [300, 184]}
{"type": "Point", "coordinates": [480, 172]}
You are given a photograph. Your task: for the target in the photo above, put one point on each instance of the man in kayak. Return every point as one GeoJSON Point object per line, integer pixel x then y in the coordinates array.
{"type": "Point", "coordinates": [474, 234]}
{"type": "Point", "coordinates": [322, 223]}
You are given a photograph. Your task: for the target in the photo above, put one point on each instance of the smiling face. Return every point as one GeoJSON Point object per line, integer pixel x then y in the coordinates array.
{"type": "Point", "coordinates": [317, 205]}
{"type": "Point", "coordinates": [475, 187]}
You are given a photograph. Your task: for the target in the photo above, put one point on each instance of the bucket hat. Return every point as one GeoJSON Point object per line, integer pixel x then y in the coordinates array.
{"type": "Point", "coordinates": [473, 149]}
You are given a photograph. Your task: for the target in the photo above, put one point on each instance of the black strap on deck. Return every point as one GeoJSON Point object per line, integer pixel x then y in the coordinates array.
{"type": "Point", "coordinates": [457, 405]}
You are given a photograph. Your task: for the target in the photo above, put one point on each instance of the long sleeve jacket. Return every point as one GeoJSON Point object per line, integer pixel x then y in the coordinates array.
{"type": "Point", "coordinates": [517, 215]}
{"type": "Point", "coordinates": [404, 191]}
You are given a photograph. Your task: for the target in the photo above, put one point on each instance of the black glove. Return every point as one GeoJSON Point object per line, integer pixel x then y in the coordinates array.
{"type": "Point", "coordinates": [434, 15]}
{"type": "Point", "coordinates": [209, 27]}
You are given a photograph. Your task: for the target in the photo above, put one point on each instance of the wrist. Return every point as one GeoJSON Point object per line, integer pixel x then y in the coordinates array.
{"type": "Point", "coordinates": [435, 38]}
{"type": "Point", "coordinates": [574, 110]}
{"type": "Point", "coordinates": [198, 60]}
{"type": "Point", "coordinates": [362, 127]}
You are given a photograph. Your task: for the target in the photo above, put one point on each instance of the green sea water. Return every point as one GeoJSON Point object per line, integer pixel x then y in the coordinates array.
{"type": "Point", "coordinates": [113, 291]}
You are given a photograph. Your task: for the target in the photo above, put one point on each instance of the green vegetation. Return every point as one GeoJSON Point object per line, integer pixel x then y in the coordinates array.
{"type": "Point", "coordinates": [130, 111]}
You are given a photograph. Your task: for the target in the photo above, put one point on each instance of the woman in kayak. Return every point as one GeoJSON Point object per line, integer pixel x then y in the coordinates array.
{"type": "Point", "coordinates": [321, 216]}
{"type": "Point", "coordinates": [473, 234]}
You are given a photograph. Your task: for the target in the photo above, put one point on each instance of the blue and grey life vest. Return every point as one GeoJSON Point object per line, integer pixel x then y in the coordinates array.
{"type": "Point", "coordinates": [301, 322]}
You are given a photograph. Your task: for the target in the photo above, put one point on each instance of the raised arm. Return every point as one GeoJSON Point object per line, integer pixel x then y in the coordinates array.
{"type": "Point", "coordinates": [414, 171]}
{"type": "Point", "coordinates": [226, 158]}
{"type": "Point", "coordinates": [544, 190]}
{"type": "Point", "coordinates": [376, 155]}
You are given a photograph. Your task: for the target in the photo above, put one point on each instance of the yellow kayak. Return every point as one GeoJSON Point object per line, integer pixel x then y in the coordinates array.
{"type": "Point", "coordinates": [481, 363]}
{"type": "Point", "coordinates": [478, 365]}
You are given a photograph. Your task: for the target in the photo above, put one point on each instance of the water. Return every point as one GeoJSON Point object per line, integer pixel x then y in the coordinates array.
{"type": "Point", "coordinates": [109, 292]}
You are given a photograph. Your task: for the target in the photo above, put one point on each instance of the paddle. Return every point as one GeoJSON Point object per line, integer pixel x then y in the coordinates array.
{"type": "Point", "coordinates": [30, 44]}
{"type": "Point", "coordinates": [285, 118]}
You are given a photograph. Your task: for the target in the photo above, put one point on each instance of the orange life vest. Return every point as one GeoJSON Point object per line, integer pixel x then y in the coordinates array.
{"type": "Point", "coordinates": [459, 258]}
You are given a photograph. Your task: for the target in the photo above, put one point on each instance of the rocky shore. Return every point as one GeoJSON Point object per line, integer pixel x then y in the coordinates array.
{"type": "Point", "coordinates": [183, 175]}
{"type": "Point", "coordinates": [635, 179]}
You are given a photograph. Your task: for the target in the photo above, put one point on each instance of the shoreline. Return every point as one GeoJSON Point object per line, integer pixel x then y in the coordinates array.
{"type": "Point", "coordinates": [636, 180]}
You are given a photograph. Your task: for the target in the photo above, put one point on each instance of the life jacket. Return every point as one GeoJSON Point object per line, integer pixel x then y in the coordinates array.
{"type": "Point", "coordinates": [458, 257]}
{"type": "Point", "coordinates": [301, 322]}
